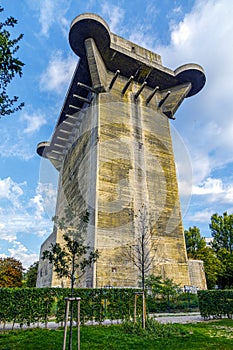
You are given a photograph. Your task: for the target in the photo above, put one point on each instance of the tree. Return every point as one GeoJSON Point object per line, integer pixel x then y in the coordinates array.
{"type": "Point", "coordinates": [164, 287]}
{"type": "Point", "coordinates": [11, 273]}
{"type": "Point", "coordinates": [72, 259]}
{"type": "Point", "coordinates": [10, 66]}
{"type": "Point", "coordinates": [221, 227]}
{"type": "Point", "coordinates": [154, 283]}
{"type": "Point", "coordinates": [169, 289]}
{"type": "Point", "coordinates": [212, 266]}
{"type": "Point", "coordinates": [142, 252]}
{"type": "Point", "coordinates": [225, 276]}
{"type": "Point", "coordinates": [194, 242]}
{"type": "Point", "coordinates": [31, 275]}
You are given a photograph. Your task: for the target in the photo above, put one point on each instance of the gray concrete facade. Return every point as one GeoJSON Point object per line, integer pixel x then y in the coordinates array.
{"type": "Point", "coordinates": [113, 149]}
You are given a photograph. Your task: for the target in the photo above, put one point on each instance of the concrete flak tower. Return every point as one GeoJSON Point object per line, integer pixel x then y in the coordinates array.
{"type": "Point", "coordinates": [113, 150]}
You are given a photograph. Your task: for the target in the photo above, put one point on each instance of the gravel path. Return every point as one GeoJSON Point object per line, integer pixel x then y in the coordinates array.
{"type": "Point", "coordinates": [178, 318]}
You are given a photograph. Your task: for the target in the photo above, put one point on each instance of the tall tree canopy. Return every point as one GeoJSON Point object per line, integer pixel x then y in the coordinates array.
{"type": "Point", "coordinates": [194, 242]}
{"type": "Point", "coordinates": [31, 275]}
{"type": "Point", "coordinates": [11, 273]}
{"type": "Point", "coordinates": [221, 227]}
{"type": "Point", "coordinates": [10, 66]}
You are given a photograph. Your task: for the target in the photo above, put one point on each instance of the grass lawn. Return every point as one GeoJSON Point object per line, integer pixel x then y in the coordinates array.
{"type": "Point", "coordinates": [216, 335]}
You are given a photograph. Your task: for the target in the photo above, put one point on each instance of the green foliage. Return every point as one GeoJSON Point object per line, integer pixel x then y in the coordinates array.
{"type": "Point", "coordinates": [11, 273]}
{"type": "Point", "coordinates": [154, 284]}
{"type": "Point", "coordinates": [72, 259]}
{"type": "Point", "coordinates": [34, 305]}
{"type": "Point", "coordinates": [216, 303]}
{"type": "Point", "coordinates": [26, 305]}
{"type": "Point", "coordinates": [163, 287]}
{"type": "Point", "coordinates": [197, 249]}
{"type": "Point", "coordinates": [212, 266]}
{"type": "Point", "coordinates": [10, 66]}
{"type": "Point", "coordinates": [218, 260]}
{"type": "Point", "coordinates": [221, 227]}
{"type": "Point", "coordinates": [31, 275]}
{"type": "Point", "coordinates": [222, 232]}
{"type": "Point", "coordinates": [194, 242]}
{"type": "Point", "coordinates": [182, 302]}
{"type": "Point", "coordinates": [225, 276]}
{"type": "Point", "coordinates": [153, 329]}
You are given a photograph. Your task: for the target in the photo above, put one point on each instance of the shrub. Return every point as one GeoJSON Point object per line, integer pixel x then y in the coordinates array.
{"type": "Point", "coordinates": [154, 329]}
{"type": "Point", "coordinates": [33, 305]}
{"type": "Point", "coordinates": [216, 303]}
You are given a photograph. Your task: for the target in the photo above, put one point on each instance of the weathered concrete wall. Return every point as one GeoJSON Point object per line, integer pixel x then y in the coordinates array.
{"type": "Point", "coordinates": [136, 168]}
{"type": "Point", "coordinates": [197, 274]}
{"type": "Point", "coordinates": [120, 159]}
{"type": "Point", "coordinates": [45, 272]}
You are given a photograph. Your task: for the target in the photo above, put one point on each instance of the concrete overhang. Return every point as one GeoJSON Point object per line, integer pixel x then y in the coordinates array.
{"type": "Point", "coordinates": [117, 54]}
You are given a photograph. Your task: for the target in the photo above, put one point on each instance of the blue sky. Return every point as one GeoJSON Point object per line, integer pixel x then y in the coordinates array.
{"type": "Point", "coordinates": [182, 31]}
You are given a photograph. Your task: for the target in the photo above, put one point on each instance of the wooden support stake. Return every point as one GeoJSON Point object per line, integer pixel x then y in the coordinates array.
{"type": "Point", "coordinates": [68, 301]}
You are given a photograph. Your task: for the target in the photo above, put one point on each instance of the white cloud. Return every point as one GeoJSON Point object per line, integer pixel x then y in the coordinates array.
{"type": "Point", "coordinates": [20, 215]}
{"type": "Point", "coordinates": [22, 144]}
{"type": "Point", "coordinates": [203, 36]}
{"type": "Point", "coordinates": [215, 190]}
{"type": "Point", "coordinates": [210, 186]}
{"type": "Point", "coordinates": [23, 219]}
{"type": "Point", "coordinates": [44, 201]}
{"type": "Point", "coordinates": [201, 216]}
{"type": "Point", "coordinates": [34, 121]}
{"type": "Point", "coordinates": [11, 191]}
{"type": "Point", "coordinates": [140, 38]}
{"type": "Point", "coordinates": [47, 17]}
{"type": "Point", "coordinates": [113, 15]}
{"type": "Point", "coordinates": [52, 12]}
{"type": "Point", "coordinates": [37, 203]}
{"type": "Point", "coordinates": [6, 234]}
{"type": "Point", "coordinates": [48, 196]}
{"type": "Point", "coordinates": [177, 9]}
{"type": "Point", "coordinates": [17, 150]}
{"type": "Point", "coordinates": [152, 8]}
{"type": "Point", "coordinates": [21, 253]}
{"type": "Point", "coordinates": [58, 73]}
{"type": "Point", "coordinates": [42, 233]}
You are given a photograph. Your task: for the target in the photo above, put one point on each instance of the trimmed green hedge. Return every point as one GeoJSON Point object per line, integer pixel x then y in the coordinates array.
{"type": "Point", "coordinates": [216, 303]}
{"type": "Point", "coordinates": [184, 302]}
{"type": "Point", "coordinates": [34, 305]}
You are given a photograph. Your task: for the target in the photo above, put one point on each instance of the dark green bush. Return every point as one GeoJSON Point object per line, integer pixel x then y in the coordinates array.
{"type": "Point", "coordinates": [34, 305]}
{"type": "Point", "coordinates": [184, 302]}
{"type": "Point", "coordinates": [216, 303]}
{"type": "Point", "coordinates": [154, 329]}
